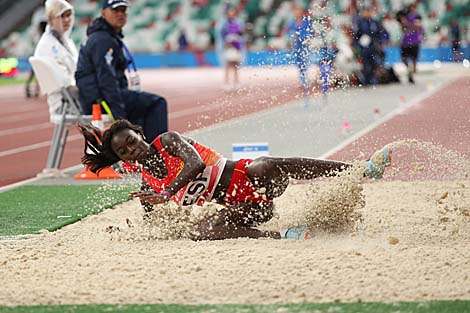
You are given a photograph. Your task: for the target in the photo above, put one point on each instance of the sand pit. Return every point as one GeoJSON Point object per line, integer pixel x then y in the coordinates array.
{"type": "Point", "coordinates": [412, 244]}
{"type": "Point", "coordinates": [392, 240]}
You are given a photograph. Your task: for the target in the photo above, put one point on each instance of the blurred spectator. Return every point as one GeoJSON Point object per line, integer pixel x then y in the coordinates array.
{"type": "Point", "coordinates": [300, 31]}
{"type": "Point", "coordinates": [413, 34]}
{"type": "Point", "coordinates": [38, 26]}
{"type": "Point", "coordinates": [200, 45]}
{"type": "Point", "coordinates": [455, 38]}
{"type": "Point", "coordinates": [231, 32]}
{"type": "Point", "coordinates": [56, 44]}
{"type": "Point", "coordinates": [182, 41]}
{"type": "Point", "coordinates": [369, 37]}
{"type": "Point", "coordinates": [327, 51]}
{"type": "Point", "coordinates": [101, 74]}
{"type": "Point", "coordinates": [346, 61]}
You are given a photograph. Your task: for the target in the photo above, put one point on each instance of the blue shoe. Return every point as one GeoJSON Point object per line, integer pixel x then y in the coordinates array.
{"type": "Point", "coordinates": [297, 232]}
{"type": "Point", "coordinates": [376, 170]}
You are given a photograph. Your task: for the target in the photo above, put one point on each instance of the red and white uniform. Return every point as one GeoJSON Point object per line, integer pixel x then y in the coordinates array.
{"type": "Point", "coordinates": [241, 189]}
{"type": "Point", "coordinates": [197, 191]}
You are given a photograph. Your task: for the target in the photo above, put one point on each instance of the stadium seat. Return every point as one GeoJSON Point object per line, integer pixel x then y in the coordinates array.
{"type": "Point", "coordinates": [51, 79]}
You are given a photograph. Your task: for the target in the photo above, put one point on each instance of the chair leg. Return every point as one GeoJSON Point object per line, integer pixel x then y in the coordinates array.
{"type": "Point", "coordinates": [51, 159]}
{"type": "Point", "coordinates": [60, 152]}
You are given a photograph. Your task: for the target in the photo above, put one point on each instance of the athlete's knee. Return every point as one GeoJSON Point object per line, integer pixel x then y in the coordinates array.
{"type": "Point", "coordinates": [262, 168]}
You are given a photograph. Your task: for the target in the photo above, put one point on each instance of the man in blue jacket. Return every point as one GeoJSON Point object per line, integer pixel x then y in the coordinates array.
{"type": "Point", "coordinates": [369, 37]}
{"type": "Point", "coordinates": [100, 76]}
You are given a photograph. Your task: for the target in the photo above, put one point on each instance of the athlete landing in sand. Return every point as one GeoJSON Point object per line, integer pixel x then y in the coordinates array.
{"type": "Point", "coordinates": [178, 168]}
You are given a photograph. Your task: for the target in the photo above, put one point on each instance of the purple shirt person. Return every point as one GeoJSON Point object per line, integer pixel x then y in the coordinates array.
{"type": "Point", "coordinates": [413, 34]}
{"type": "Point", "coordinates": [232, 37]}
{"type": "Point", "coordinates": [232, 34]}
{"type": "Point", "coordinates": [412, 30]}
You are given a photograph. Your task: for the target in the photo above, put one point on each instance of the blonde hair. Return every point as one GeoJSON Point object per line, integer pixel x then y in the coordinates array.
{"type": "Point", "coordinates": [55, 8]}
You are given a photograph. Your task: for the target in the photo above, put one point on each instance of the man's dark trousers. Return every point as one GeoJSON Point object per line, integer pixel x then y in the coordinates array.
{"type": "Point", "coordinates": [146, 110]}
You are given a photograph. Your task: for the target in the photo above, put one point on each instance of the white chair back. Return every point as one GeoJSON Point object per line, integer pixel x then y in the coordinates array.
{"type": "Point", "coordinates": [51, 78]}
{"type": "Point", "coordinates": [48, 74]}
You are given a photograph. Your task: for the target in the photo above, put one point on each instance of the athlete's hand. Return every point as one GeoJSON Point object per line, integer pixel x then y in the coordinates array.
{"type": "Point", "coordinates": [150, 196]}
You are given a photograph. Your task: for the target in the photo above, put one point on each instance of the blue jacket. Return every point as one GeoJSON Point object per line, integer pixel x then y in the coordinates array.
{"type": "Point", "coordinates": [100, 73]}
{"type": "Point", "coordinates": [299, 33]}
{"type": "Point", "coordinates": [372, 28]}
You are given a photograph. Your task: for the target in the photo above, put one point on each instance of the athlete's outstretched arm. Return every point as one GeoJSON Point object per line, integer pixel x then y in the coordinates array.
{"type": "Point", "coordinates": [175, 145]}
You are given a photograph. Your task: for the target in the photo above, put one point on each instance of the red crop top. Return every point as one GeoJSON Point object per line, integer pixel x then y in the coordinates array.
{"type": "Point", "coordinates": [200, 189]}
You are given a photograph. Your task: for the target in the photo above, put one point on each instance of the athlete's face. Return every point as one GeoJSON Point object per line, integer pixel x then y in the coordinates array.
{"type": "Point", "coordinates": [117, 17]}
{"type": "Point", "coordinates": [130, 146]}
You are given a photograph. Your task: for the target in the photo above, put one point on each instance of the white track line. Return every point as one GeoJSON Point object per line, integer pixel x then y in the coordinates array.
{"type": "Point", "coordinates": [35, 146]}
{"type": "Point", "coordinates": [400, 110]}
{"type": "Point", "coordinates": [23, 108]}
{"type": "Point", "coordinates": [24, 116]}
{"type": "Point", "coordinates": [23, 129]}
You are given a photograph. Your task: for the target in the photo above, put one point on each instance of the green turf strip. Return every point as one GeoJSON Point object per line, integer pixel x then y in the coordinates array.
{"type": "Point", "coordinates": [29, 209]}
{"type": "Point", "coordinates": [6, 81]}
{"type": "Point", "coordinates": [371, 307]}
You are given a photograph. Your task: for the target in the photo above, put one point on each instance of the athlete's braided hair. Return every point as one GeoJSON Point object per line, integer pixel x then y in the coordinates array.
{"type": "Point", "coordinates": [98, 153]}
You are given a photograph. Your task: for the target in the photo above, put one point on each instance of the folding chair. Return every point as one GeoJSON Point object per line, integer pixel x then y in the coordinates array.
{"type": "Point", "coordinates": [51, 78]}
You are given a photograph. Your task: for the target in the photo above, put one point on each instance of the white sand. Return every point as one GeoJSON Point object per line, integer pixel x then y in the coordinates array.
{"type": "Point", "coordinates": [413, 244]}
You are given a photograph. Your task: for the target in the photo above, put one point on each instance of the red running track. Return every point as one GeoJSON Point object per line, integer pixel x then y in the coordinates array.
{"type": "Point", "coordinates": [442, 119]}
{"type": "Point", "coordinates": [195, 99]}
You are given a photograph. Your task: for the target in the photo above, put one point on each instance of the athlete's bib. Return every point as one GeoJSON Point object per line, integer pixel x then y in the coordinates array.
{"type": "Point", "coordinates": [202, 188]}
{"type": "Point", "coordinates": [197, 191]}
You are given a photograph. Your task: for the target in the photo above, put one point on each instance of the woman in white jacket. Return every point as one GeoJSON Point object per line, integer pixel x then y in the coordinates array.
{"type": "Point", "coordinates": [57, 45]}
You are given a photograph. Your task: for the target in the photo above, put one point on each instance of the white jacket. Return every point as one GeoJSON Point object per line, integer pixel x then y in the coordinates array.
{"type": "Point", "coordinates": [65, 56]}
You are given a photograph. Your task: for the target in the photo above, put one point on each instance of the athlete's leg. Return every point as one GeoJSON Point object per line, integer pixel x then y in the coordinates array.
{"type": "Point", "coordinates": [404, 56]}
{"type": "Point", "coordinates": [274, 173]}
{"type": "Point", "coordinates": [249, 214]}
{"type": "Point", "coordinates": [325, 70]}
{"type": "Point", "coordinates": [235, 222]}
{"type": "Point", "coordinates": [227, 74]}
{"type": "Point", "coordinates": [236, 66]}
{"type": "Point", "coordinates": [404, 59]}
{"type": "Point", "coordinates": [303, 77]}
{"type": "Point", "coordinates": [296, 168]}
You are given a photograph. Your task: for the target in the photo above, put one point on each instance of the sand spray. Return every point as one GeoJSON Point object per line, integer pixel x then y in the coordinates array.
{"type": "Point", "coordinates": [331, 205]}
{"type": "Point", "coordinates": [334, 205]}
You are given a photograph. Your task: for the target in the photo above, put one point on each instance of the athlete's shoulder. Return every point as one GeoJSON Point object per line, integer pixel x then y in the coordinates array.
{"type": "Point", "coordinates": [169, 137]}
{"type": "Point", "coordinates": [170, 141]}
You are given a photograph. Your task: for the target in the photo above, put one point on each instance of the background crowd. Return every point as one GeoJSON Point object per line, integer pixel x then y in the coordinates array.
{"type": "Point", "coordinates": [156, 26]}
{"type": "Point", "coordinates": [348, 36]}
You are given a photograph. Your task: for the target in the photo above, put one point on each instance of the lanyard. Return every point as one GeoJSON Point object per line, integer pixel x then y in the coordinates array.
{"type": "Point", "coordinates": [134, 79]}
{"type": "Point", "coordinates": [129, 57]}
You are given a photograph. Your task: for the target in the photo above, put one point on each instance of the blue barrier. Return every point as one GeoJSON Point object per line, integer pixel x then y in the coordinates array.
{"type": "Point", "coordinates": [260, 58]}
